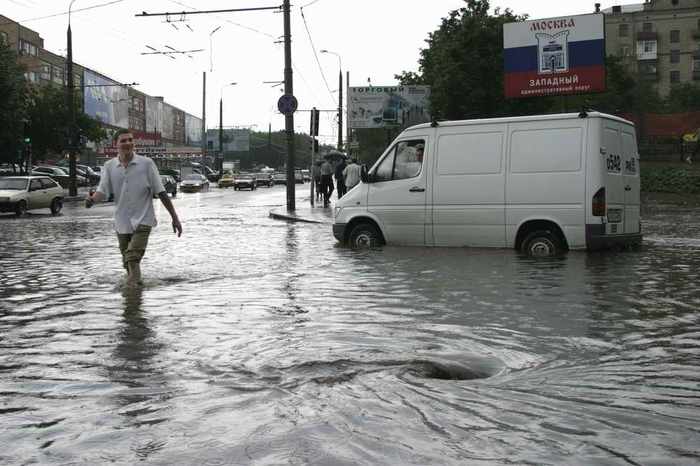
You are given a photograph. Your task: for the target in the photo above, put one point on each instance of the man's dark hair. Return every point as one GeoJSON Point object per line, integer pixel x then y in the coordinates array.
{"type": "Point", "coordinates": [118, 133]}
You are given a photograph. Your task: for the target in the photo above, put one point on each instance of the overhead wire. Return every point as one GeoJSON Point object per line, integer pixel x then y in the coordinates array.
{"type": "Point", "coordinates": [227, 20]}
{"type": "Point", "coordinates": [113, 2]}
{"type": "Point", "coordinates": [318, 62]}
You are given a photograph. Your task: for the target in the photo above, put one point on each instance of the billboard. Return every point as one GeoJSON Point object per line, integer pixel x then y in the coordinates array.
{"type": "Point", "coordinates": [168, 128]}
{"type": "Point", "coordinates": [555, 56]}
{"type": "Point", "coordinates": [235, 140]}
{"type": "Point", "coordinates": [105, 100]}
{"type": "Point", "coordinates": [381, 106]}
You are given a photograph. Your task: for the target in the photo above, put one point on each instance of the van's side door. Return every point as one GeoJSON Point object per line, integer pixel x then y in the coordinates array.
{"type": "Point", "coordinates": [468, 204]}
{"type": "Point", "coordinates": [397, 191]}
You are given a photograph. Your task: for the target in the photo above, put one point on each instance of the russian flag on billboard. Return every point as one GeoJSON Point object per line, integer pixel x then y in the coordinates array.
{"type": "Point", "coordinates": [554, 56]}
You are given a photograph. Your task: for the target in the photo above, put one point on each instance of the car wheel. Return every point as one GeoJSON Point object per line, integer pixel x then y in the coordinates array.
{"type": "Point", "coordinates": [21, 208]}
{"type": "Point", "coordinates": [365, 235]}
{"type": "Point", "coordinates": [56, 206]}
{"type": "Point", "coordinates": [541, 243]}
{"type": "Point", "coordinates": [174, 193]}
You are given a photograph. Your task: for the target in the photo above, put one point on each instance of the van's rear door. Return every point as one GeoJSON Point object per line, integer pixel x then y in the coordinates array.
{"type": "Point", "coordinates": [614, 181]}
{"type": "Point", "coordinates": [630, 178]}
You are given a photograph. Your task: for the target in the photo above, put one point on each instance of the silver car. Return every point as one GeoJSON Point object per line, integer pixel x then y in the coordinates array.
{"type": "Point", "coordinates": [19, 194]}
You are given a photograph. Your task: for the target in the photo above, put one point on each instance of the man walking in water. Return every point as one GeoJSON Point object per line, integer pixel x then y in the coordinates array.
{"type": "Point", "coordinates": [133, 180]}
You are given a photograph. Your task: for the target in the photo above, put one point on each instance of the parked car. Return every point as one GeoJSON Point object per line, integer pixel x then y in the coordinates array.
{"type": "Point", "coordinates": [169, 184]}
{"type": "Point", "coordinates": [306, 175]}
{"type": "Point", "coordinates": [298, 176]}
{"type": "Point", "coordinates": [92, 176]}
{"type": "Point", "coordinates": [265, 179]}
{"type": "Point", "coordinates": [245, 181]}
{"type": "Point", "coordinates": [19, 194]}
{"type": "Point", "coordinates": [226, 181]}
{"type": "Point", "coordinates": [57, 174]}
{"type": "Point", "coordinates": [280, 178]}
{"type": "Point", "coordinates": [194, 183]}
{"type": "Point", "coordinates": [169, 171]}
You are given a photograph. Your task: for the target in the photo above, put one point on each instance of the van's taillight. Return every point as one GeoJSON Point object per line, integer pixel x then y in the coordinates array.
{"type": "Point", "coordinates": [599, 203]}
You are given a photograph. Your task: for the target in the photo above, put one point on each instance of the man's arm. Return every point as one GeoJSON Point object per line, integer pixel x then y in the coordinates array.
{"type": "Point", "coordinates": [177, 227]}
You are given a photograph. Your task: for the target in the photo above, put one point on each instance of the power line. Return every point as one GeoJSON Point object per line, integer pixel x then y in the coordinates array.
{"type": "Point", "coordinates": [227, 20]}
{"type": "Point", "coordinates": [318, 62]}
{"type": "Point", "coordinates": [73, 11]}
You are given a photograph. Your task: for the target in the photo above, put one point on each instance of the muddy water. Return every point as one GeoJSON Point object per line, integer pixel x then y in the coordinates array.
{"type": "Point", "coordinates": [260, 342]}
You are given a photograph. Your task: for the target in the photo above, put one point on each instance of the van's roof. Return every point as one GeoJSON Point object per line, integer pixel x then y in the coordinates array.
{"type": "Point", "coordinates": [555, 116]}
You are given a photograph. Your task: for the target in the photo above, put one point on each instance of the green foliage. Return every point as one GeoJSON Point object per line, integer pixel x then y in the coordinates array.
{"type": "Point", "coordinates": [463, 64]}
{"type": "Point", "coordinates": [13, 92]}
{"type": "Point", "coordinates": [670, 180]}
{"type": "Point", "coordinates": [683, 98]}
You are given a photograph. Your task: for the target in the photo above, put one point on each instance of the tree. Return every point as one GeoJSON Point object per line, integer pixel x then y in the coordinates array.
{"type": "Point", "coordinates": [13, 91]}
{"type": "Point", "coordinates": [463, 64]}
{"type": "Point", "coordinates": [683, 98]}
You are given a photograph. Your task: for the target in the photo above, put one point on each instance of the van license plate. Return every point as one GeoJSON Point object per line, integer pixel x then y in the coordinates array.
{"type": "Point", "coordinates": [614, 216]}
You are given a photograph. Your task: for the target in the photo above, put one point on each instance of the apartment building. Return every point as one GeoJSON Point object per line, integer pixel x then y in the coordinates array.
{"type": "Point", "coordinates": [658, 40]}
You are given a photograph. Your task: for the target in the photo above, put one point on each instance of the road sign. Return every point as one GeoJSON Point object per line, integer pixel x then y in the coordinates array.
{"type": "Point", "coordinates": [287, 104]}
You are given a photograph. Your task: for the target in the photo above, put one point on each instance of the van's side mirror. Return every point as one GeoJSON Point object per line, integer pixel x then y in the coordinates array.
{"type": "Point", "coordinates": [364, 177]}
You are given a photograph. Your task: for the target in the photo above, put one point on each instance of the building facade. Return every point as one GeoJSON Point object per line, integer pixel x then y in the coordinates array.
{"type": "Point", "coordinates": [658, 40]}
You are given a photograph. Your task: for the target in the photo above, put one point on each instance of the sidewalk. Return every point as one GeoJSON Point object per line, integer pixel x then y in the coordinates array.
{"type": "Point", "coordinates": [305, 213]}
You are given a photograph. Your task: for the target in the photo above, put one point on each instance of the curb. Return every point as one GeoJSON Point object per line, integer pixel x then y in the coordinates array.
{"type": "Point", "coordinates": [291, 218]}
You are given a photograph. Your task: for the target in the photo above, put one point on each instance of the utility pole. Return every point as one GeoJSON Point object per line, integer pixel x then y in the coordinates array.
{"type": "Point", "coordinates": [70, 102]}
{"type": "Point", "coordinates": [340, 110]}
{"type": "Point", "coordinates": [289, 116]}
{"type": "Point", "coordinates": [204, 115]}
{"type": "Point", "coordinates": [221, 135]}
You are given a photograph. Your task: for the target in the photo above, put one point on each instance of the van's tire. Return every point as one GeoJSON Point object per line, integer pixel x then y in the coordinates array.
{"type": "Point", "coordinates": [541, 243]}
{"type": "Point", "coordinates": [56, 206]}
{"type": "Point", "coordinates": [365, 235]}
{"type": "Point", "coordinates": [21, 208]}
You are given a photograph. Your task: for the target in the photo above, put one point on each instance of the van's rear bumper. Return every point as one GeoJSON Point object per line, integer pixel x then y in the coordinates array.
{"type": "Point", "coordinates": [597, 239]}
{"type": "Point", "coordinates": [339, 231]}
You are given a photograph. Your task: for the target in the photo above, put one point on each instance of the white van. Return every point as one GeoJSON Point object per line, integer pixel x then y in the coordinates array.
{"type": "Point", "coordinates": [539, 184]}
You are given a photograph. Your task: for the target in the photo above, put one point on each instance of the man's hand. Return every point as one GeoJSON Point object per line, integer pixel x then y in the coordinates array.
{"type": "Point", "coordinates": [89, 201]}
{"type": "Point", "coordinates": [177, 227]}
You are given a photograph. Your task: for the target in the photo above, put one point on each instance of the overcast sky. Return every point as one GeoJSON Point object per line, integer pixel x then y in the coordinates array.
{"type": "Point", "coordinates": [375, 39]}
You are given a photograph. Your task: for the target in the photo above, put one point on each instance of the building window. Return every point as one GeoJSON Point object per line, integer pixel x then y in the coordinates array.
{"type": "Point", "coordinates": [675, 76]}
{"type": "Point", "coordinates": [649, 46]}
{"type": "Point", "coordinates": [646, 27]}
{"type": "Point", "coordinates": [675, 36]}
{"type": "Point", "coordinates": [3, 38]}
{"type": "Point", "coordinates": [647, 67]}
{"type": "Point", "coordinates": [675, 56]}
{"type": "Point", "coordinates": [31, 76]}
{"type": "Point", "coordinates": [624, 30]}
{"type": "Point", "coordinates": [624, 51]}
{"type": "Point", "coordinates": [57, 74]}
{"type": "Point", "coordinates": [46, 72]}
{"type": "Point", "coordinates": [27, 48]}
{"type": "Point", "coordinates": [674, 2]}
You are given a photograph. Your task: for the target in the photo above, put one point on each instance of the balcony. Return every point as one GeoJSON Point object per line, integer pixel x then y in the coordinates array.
{"type": "Point", "coordinates": [647, 35]}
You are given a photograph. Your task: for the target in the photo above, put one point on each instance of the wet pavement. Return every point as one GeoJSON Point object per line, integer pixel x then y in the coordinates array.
{"type": "Point", "coordinates": [257, 341]}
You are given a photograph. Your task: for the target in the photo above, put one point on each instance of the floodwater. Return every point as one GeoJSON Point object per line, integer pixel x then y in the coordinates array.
{"type": "Point", "coordinates": [255, 341]}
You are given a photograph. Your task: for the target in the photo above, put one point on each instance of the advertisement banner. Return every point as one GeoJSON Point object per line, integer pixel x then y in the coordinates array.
{"type": "Point", "coordinates": [235, 140]}
{"type": "Point", "coordinates": [154, 115]}
{"type": "Point", "coordinates": [193, 130]}
{"type": "Point", "coordinates": [382, 106]}
{"type": "Point", "coordinates": [555, 56]}
{"type": "Point", "coordinates": [168, 131]}
{"type": "Point", "coordinates": [105, 100]}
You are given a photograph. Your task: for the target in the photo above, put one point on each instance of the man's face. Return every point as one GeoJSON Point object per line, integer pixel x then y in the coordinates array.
{"type": "Point", "coordinates": [125, 143]}
{"type": "Point", "coordinates": [419, 155]}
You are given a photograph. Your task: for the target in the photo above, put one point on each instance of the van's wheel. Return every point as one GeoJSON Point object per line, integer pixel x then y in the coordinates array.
{"type": "Point", "coordinates": [365, 235]}
{"type": "Point", "coordinates": [541, 243]}
{"type": "Point", "coordinates": [56, 206]}
{"type": "Point", "coordinates": [21, 208]}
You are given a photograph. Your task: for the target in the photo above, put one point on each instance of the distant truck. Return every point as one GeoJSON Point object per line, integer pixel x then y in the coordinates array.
{"type": "Point", "coordinates": [539, 184]}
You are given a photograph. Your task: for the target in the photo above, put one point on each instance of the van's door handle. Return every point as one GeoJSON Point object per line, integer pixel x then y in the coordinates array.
{"type": "Point", "coordinates": [628, 188]}
{"type": "Point", "coordinates": [416, 189]}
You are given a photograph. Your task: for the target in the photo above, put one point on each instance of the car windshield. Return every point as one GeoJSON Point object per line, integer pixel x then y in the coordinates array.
{"type": "Point", "coordinates": [245, 177]}
{"type": "Point", "coordinates": [13, 184]}
{"type": "Point", "coordinates": [194, 177]}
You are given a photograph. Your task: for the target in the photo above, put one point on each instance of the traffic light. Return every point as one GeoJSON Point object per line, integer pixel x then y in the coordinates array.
{"type": "Point", "coordinates": [315, 117]}
{"type": "Point", "coordinates": [26, 138]}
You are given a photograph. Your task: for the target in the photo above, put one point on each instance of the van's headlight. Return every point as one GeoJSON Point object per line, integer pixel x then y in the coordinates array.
{"type": "Point", "coordinates": [336, 211]}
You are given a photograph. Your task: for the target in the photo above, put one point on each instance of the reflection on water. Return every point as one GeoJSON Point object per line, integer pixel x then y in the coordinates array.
{"type": "Point", "coordinates": [256, 341]}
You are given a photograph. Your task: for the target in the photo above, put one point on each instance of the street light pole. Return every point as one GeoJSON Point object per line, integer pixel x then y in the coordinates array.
{"type": "Point", "coordinates": [221, 126]}
{"type": "Point", "coordinates": [70, 102]}
{"type": "Point", "coordinates": [289, 117]}
{"type": "Point", "coordinates": [340, 98]}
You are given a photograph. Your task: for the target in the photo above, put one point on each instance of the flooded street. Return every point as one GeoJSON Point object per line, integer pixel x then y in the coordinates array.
{"type": "Point", "coordinates": [256, 341]}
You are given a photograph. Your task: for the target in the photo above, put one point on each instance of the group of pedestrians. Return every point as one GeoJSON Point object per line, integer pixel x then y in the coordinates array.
{"type": "Point", "coordinates": [347, 175]}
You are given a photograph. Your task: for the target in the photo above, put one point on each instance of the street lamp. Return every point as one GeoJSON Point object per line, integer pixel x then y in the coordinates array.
{"type": "Point", "coordinates": [211, 49]}
{"type": "Point", "coordinates": [70, 102]}
{"type": "Point", "coordinates": [340, 98]}
{"type": "Point", "coordinates": [221, 125]}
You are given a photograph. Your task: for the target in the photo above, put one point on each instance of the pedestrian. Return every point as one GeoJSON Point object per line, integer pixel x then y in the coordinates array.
{"type": "Point", "coordinates": [134, 181]}
{"type": "Point", "coordinates": [339, 178]}
{"type": "Point", "coordinates": [352, 174]}
{"type": "Point", "coordinates": [326, 181]}
{"type": "Point", "coordinates": [316, 178]}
